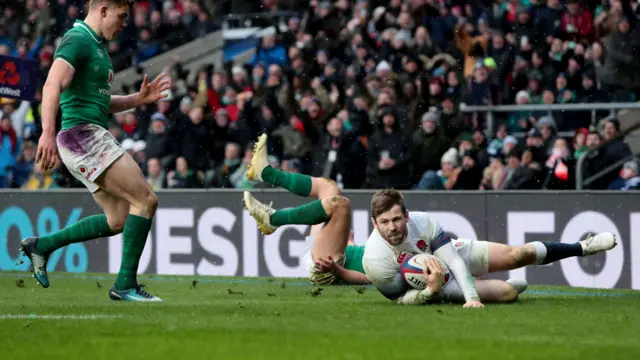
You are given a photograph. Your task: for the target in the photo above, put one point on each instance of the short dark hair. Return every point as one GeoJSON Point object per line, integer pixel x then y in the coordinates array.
{"type": "Point", "coordinates": [128, 3]}
{"type": "Point", "coordinates": [383, 200]}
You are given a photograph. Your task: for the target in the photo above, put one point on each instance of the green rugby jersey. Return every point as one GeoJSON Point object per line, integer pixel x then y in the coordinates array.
{"type": "Point", "coordinates": [87, 99]}
{"type": "Point", "coordinates": [353, 258]}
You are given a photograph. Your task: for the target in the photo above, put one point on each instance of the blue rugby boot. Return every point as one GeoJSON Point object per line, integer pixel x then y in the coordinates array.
{"type": "Point", "coordinates": [135, 294]}
{"type": "Point", "coordinates": [38, 260]}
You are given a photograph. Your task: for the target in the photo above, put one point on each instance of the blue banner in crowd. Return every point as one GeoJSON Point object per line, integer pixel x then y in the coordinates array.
{"type": "Point", "coordinates": [18, 78]}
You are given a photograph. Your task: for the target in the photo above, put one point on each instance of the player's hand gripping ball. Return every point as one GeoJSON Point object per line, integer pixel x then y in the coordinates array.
{"type": "Point", "coordinates": [413, 271]}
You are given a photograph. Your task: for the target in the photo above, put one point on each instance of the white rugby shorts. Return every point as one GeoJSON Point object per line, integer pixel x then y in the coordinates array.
{"type": "Point", "coordinates": [475, 254]}
{"type": "Point", "coordinates": [87, 150]}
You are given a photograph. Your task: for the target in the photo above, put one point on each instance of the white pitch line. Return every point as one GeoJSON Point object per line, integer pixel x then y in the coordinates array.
{"type": "Point", "coordinates": [57, 317]}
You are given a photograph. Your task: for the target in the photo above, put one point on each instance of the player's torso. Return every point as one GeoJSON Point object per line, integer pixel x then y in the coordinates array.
{"type": "Point", "coordinates": [88, 97]}
{"type": "Point", "coordinates": [421, 230]}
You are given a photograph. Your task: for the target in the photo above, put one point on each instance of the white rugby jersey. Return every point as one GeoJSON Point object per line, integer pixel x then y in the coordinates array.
{"type": "Point", "coordinates": [382, 262]}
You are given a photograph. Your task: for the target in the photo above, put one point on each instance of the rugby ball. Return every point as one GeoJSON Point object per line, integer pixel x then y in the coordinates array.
{"type": "Point", "coordinates": [413, 267]}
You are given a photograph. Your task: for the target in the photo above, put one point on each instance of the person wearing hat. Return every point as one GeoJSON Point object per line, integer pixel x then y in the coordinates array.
{"type": "Point", "coordinates": [548, 130]}
{"type": "Point", "coordinates": [534, 86]}
{"type": "Point", "coordinates": [438, 180]}
{"type": "Point", "coordinates": [452, 120]}
{"type": "Point", "coordinates": [429, 144]}
{"type": "Point", "coordinates": [158, 144]}
{"type": "Point", "coordinates": [535, 144]}
{"type": "Point", "coordinates": [628, 179]}
{"type": "Point", "coordinates": [389, 153]}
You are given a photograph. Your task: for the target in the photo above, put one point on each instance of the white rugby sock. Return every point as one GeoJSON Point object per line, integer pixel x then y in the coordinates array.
{"type": "Point", "coordinates": [541, 252]}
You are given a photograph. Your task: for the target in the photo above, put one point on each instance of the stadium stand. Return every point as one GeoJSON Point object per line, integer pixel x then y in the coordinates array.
{"type": "Point", "coordinates": [368, 93]}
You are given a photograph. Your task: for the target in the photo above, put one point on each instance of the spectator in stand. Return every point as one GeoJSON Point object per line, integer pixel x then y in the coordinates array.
{"type": "Point", "coordinates": [24, 164]}
{"type": "Point", "coordinates": [629, 178]}
{"type": "Point", "coordinates": [621, 71]}
{"type": "Point", "coordinates": [155, 174]}
{"type": "Point", "coordinates": [183, 177]}
{"type": "Point", "coordinates": [429, 144]}
{"type": "Point", "coordinates": [611, 152]}
{"type": "Point", "coordinates": [389, 153]}
{"type": "Point", "coordinates": [9, 150]}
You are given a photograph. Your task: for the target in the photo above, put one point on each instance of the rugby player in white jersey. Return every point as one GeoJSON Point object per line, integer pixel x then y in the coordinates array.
{"type": "Point", "coordinates": [400, 234]}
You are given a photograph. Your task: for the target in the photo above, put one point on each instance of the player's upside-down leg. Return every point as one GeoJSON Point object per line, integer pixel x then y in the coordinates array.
{"type": "Point", "coordinates": [329, 259]}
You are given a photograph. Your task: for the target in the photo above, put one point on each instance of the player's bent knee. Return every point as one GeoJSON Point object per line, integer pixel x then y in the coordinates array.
{"type": "Point", "coordinates": [341, 202]}
{"type": "Point", "coordinates": [332, 186]}
{"type": "Point", "coordinates": [508, 294]}
{"type": "Point", "coordinates": [148, 203]}
{"type": "Point", "coordinates": [152, 201]}
{"type": "Point", "coordinates": [336, 205]}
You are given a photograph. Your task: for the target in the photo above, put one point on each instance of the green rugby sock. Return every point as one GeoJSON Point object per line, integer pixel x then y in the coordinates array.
{"type": "Point", "coordinates": [309, 214]}
{"type": "Point", "coordinates": [296, 183]}
{"type": "Point", "coordinates": [136, 229]}
{"type": "Point", "coordinates": [89, 228]}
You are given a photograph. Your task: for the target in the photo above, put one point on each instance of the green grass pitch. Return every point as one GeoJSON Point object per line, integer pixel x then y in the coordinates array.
{"type": "Point", "coordinates": [257, 318]}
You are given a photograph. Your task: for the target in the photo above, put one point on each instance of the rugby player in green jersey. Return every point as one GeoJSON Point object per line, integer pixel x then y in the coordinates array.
{"type": "Point", "coordinates": [331, 256]}
{"type": "Point", "coordinates": [80, 81]}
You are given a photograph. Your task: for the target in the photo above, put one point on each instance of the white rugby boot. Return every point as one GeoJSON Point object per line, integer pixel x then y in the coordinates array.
{"type": "Point", "coordinates": [259, 211]}
{"type": "Point", "coordinates": [598, 243]}
{"type": "Point", "coordinates": [260, 159]}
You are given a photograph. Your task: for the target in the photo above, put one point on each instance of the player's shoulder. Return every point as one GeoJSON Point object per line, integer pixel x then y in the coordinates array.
{"type": "Point", "coordinates": [375, 246]}
{"type": "Point", "coordinates": [418, 214]}
{"type": "Point", "coordinates": [74, 36]}
{"type": "Point", "coordinates": [420, 217]}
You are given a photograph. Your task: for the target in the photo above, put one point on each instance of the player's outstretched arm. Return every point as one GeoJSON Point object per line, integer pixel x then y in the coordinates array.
{"type": "Point", "coordinates": [447, 253]}
{"type": "Point", "coordinates": [353, 277]}
{"type": "Point", "coordinates": [149, 93]}
{"type": "Point", "coordinates": [349, 276]}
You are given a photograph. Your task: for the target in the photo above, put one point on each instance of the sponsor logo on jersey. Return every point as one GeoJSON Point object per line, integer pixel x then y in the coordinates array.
{"type": "Point", "coordinates": [82, 169]}
{"type": "Point", "coordinates": [109, 81]}
{"type": "Point", "coordinates": [422, 245]}
{"type": "Point", "coordinates": [100, 54]}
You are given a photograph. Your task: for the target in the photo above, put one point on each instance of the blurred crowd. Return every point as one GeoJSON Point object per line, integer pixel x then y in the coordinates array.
{"type": "Point", "coordinates": [368, 93]}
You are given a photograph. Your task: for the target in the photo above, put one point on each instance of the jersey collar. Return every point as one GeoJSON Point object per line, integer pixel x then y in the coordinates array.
{"type": "Point", "coordinates": [79, 23]}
